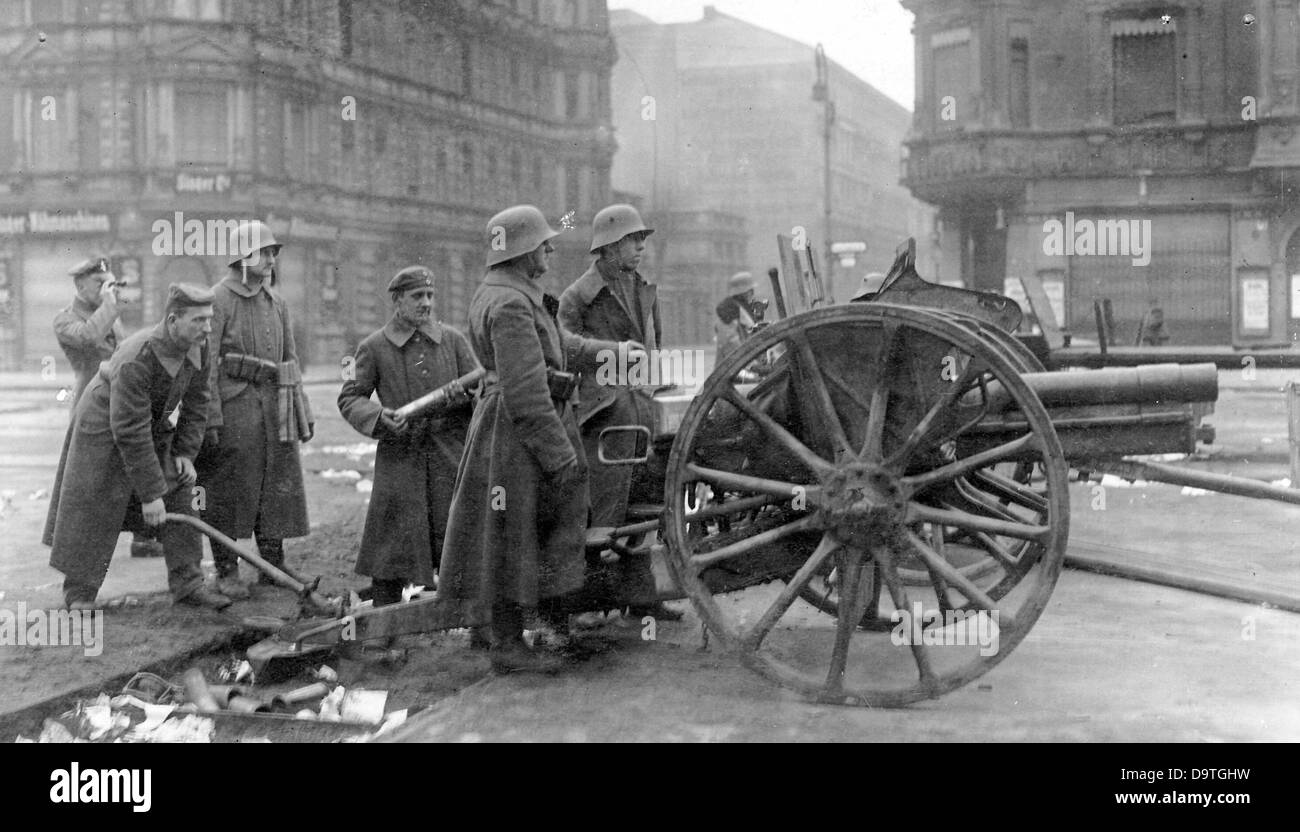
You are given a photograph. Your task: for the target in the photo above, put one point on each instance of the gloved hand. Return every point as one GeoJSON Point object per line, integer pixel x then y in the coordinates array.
{"type": "Point", "coordinates": [311, 431]}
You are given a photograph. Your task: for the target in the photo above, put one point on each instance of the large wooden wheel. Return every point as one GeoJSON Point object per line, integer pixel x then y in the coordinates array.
{"type": "Point", "coordinates": [858, 459]}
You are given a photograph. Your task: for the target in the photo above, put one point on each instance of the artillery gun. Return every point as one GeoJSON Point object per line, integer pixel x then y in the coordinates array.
{"type": "Point", "coordinates": [883, 517]}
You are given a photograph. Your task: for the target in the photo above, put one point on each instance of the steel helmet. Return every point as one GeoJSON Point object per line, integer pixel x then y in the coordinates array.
{"type": "Point", "coordinates": [871, 284]}
{"type": "Point", "coordinates": [613, 224]}
{"type": "Point", "coordinates": [516, 231]}
{"type": "Point", "coordinates": [247, 237]}
{"type": "Point", "coordinates": [740, 283]}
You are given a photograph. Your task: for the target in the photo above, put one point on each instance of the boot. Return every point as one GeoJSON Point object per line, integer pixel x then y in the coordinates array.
{"type": "Point", "coordinates": [229, 585]}
{"type": "Point", "coordinates": [658, 610]}
{"type": "Point", "coordinates": [385, 591]}
{"type": "Point", "coordinates": [272, 551]}
{"type": "Point", "coordinates": [509, 653]}
{"type": "Point", "coordinates": [205, 597]}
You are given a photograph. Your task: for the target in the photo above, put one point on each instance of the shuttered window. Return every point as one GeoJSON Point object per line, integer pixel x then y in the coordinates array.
{"type": "Point", "coordinates": [1145, 71]}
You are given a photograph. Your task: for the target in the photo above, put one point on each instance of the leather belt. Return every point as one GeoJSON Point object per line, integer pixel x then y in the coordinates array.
{"type": "Point", "coordinates": [562, 385]}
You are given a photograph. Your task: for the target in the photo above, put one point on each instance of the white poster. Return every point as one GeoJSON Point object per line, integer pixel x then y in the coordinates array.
{"type": "Point", "coordinates": [1254, 304]}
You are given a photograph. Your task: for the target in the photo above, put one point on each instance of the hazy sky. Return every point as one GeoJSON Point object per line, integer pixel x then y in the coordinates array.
{"type": "Point", "coordinates": [871, 38]}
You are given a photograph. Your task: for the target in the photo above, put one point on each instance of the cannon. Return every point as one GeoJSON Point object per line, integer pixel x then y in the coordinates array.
{"type": "Point", "coordinates": [883, 516]}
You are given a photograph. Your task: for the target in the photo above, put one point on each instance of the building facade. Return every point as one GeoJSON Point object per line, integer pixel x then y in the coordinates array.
{"type": "Point", "coordinates": [370, 134]}
{"type": "Point", "coordinates": [718, 115]}
{"type": "Point", "coordinates": [1138, 151]}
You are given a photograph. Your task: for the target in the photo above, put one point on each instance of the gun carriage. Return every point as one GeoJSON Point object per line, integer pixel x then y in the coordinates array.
{"type": "Point", "coordinates": [883, 516]}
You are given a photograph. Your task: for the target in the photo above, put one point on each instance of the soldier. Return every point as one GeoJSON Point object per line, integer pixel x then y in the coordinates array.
{"type": "Point", "coordinates": [127, 464]}
{"type": "Point", "coordinates": [515, 537]}
{"type": "Point", "coordinates": [249, 465]}
{"type": "Point", "coordinates": [415, 466]}
{"type": "Point", "coordinates": [735, 322]}
{"type": "Point", "coordinates": [613, 302]}
{"type": "Point", "coordinates": [89, 330]}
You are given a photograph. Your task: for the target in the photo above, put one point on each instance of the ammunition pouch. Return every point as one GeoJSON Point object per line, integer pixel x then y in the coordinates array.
{"type": "Point", "coordinates": [562, 385]}
{"type": "Point", "coordinates": [249, 368]}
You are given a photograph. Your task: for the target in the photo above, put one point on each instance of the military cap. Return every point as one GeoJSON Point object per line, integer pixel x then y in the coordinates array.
{"type": "Point", "coordinates": [411, 277]}
{"type": "Point", "coordinates": [184, 295]}
{"type": "Point", "coordinates": [91, 266]}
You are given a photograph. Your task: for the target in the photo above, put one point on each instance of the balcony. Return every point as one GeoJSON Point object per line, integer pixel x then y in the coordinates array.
{"type": "Point", "coordinates": [990, 164]}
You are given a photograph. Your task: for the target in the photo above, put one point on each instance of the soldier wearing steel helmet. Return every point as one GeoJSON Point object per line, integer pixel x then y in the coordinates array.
{"type": "Point", "coordinates": [735, 321]}
{"type": "Point", "coordinates": [249, 466]}
{"type": "Point", "coordinates": [613, 302]}
{"type": "Point", "coordinates": [515, 536]}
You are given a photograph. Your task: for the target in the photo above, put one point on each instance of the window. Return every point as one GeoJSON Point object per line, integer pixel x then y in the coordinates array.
{"type": "Point", "coordinates": [572, 187]}
{"type": "Point", "coordinates": [348, 137]}
{"type": "Point", "coordinates": [7, 160]}
{"type": "Point", "coordinates": [953, 99]}
{"type": "Point", "coordinates": [201, 126]}
{"type": "Point", "coordinates": [466, 69]}
{"type": "Point", "coordinates": [571, 95]}
{"type": "Point", "coordinates": [345, 28]}
{"type": "Point", "coordinates": [538, 182]}
{"type": "Point", "coordinates": [195, 9]}
{"type": "Point", "coordinates": [296, 129]}
{"type": "Point", "coordinates": [1018, 103]}
{"type": "Point", "coordinates": [1144, 70]}
{"type": "Point", "coordinates": [467, 161]}
{"type": "Point", "coordinates": [88, 132]}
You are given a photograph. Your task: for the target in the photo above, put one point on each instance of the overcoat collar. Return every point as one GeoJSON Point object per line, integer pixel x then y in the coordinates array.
{"type": "Point", "coordinates": [514, 278]}
{"type": "Point", "coordinates": [596, 278]}
{"type": "Point", "coordinates": [244, 290]}
{"type": "Point", "coordinates": [399, 331]}
{"type": "Point", "coordinates": [168, 355]}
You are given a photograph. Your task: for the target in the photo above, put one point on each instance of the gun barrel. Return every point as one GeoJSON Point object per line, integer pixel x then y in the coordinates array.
{"type": "Point", "coordinates": [1148, 384]}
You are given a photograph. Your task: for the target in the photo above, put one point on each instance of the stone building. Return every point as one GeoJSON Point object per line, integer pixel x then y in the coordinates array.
{"type": "Point", "coordinates": [370, 134]}
{"type": "Point", "coordinates": [717, 115]}
{"type": "Point", "coordinates": [1140, 151]}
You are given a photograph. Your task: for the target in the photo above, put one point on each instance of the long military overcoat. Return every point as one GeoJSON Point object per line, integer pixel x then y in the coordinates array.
{"type": "Point", "coordinates": [415, 471]}
{"type": "Point", "coordinates": [513, 534]}
{"type": "Point", "coordinates": [590, 309]}
{"type": "Point", "coordinates": [252, 472]}
{"type": "Point", "coordinates": [88, 336]}
{"type": "Point", "coordinates": [123, 444]}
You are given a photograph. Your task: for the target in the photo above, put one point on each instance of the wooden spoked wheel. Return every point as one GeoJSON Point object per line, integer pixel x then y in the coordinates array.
{"type": "Point", "coordinates": [857, 458]}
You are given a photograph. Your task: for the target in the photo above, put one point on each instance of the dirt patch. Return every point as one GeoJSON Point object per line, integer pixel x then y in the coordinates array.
{"type": "Point", "coordinates": [149, 632]}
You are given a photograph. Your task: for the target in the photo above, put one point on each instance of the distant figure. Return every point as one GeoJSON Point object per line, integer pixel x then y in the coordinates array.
{"type": "Point", "coordinates": [735, 321]}
{"type": "Point", "coordinates": [1151, 331]}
